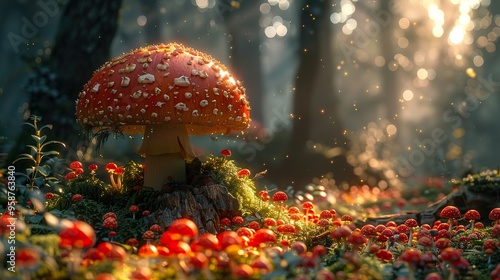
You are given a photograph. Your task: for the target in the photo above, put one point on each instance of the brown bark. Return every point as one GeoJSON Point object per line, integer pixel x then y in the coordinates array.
{"type": "Point", "coordinates": [82, 44]}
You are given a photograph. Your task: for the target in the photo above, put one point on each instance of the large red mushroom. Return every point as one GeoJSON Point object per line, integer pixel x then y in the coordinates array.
{"type": "Point", "coordinates": [165, 92]}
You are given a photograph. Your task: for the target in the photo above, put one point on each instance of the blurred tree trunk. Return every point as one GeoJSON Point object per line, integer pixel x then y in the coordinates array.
{"type": "Point", "coordinates": [314, 106]}
{"type": "Point", "coordinates": [243, 27]}
{"type": "Point", "coordinates": [82, 44]}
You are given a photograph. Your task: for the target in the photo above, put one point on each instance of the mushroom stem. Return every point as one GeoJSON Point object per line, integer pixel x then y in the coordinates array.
{"type": "Point", "coordinates": [112, 179]}
{"type": "Point", "coordinates": [165, 147]}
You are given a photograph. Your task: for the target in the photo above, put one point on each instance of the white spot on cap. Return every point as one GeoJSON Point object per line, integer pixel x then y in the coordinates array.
{"type": "Point", "coordinates": [157, 90]}
{"type": "Point", "coordinates": [182, 81]}
{"type": "Point", "coordinates": [129, 68]}
{"type": "Point", "coordinates": [96, 88]}
{"type": "Point", "coordinates": [216, 91]}
{"type": "Point", "coordinates": [159, 104]}
{"type": "Point", "coordinates": [230, 107]}
{"type": "Point", "coordinates": [203, 74]}
{"type": "Point", "coordinates": [154, 115]}
{"type": "Point", "coordinates": [162, 66]}
{"type": "Point", "coordinates": [181, 106]}
{"type": "Point", "coordinates": [195, 113]}
{"type": "Point", "coordinates": [143, 110]}
{"type": "Point", "coordinates": [188, 95]}
{"type": "Point", "coordinates": [111, 84]}
{"type": "Point", "coordinates": [203, 103]}
{"type": "Point", "coordinates": [215, 111]}
{"type": "Point", "coordinates": [146, 79]}
{"type": "Point", "coordinates": [137, 94]}
{"type": "Point", "coordinates": [125, 81]}
{"type": "Point", "coordinates": [166, 97]}
{"type": "Point", "coordinates": [167, 119]}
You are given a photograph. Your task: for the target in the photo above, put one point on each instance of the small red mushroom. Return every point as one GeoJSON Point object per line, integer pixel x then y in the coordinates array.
{"type": "Point", "coordinates": [75, 165]}
{"type": "Point", "coordinates": [411, 223]}
{"type": "Point", "coordinates": [225, 222]}
{"type": "Point", "coordinates": [148, 251]}
{"type": "Point", "coordinates": [49, 196]}
{"type": "Point", "coordinates": [264, 195]}
{"type": "Point", "coordinates": [110, 223]}
{"type": "Point", "coordinates": [183, 228]}
{"type": "Point", "coordinates": [70, 176]}
{"type": "Point", "coordinates": [450, 213]}
{"type": "Point", "coordinates": [237, 220]}
{"type": "Point", "coordinates": [148, 235]}
{"type": "Point", "coordinates": [76, 236]}
{"type": "Point", "coordinates": [263, 235]}
{"type": "Point", "coordinates": [225, 153]}
{"type": "Point", "coordinates": [110, 167]}
{"type": "Point", "coordinates": [243, 173]}
{"type": "Point", "coordinates": [132, 242]}
{"type": "Point", "coordinates": [269, 222]}
{"type": "Point", "coordinates": [93, 167]}
{"type": "Point", "coordinates": [472, 215]}
{"type": "Point", "coordinates": [280, 197]}
{"type": "Point", "coordinates": [133, 209]}
{"type": "Point", "coordinates": [165, 92]}
{"type": "Point", "coordinates": [155, 228]}
{"type": "Point", "coordinates": [27, 261]}
{"type": "Point", "coordinates": [77, 197]}
{"type": "Point", "coordinates": [494, 215]}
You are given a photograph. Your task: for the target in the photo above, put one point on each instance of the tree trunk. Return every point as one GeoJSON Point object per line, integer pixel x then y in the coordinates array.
{"type": "Point", "coordinates": [315, 120]}
{"type": "Point", "coordinates": [243, 28]}
{"type": "Point", "coordinates": [82, 44]}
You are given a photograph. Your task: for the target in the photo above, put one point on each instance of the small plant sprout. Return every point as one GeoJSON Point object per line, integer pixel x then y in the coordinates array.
{"type": "Point", "coordinates": [39, 173]}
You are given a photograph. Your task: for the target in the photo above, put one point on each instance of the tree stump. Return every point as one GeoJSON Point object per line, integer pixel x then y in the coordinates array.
{"type": "Point", "coordinates": [464, 198]}
{"type": "Point", "coordinates": [200, 199]}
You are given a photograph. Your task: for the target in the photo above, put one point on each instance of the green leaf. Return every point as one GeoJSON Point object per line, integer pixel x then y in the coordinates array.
{"type": "Point", "coordinates": [27, 123]}
{"type": "Point", "coordinates": [39, 140]}
{"type": "Point", "coordinates": [44, 170]}
{"type": "Point", "coordinates": [49, 126]}
{"type": "Point", "coordinates": [33, 148]}
{"type": "Point", "coordinates": [53, 142]}
{"type": "Point", "coordinates": [24, 156]}
{"type": "Point", "coordinates": [49, 153]}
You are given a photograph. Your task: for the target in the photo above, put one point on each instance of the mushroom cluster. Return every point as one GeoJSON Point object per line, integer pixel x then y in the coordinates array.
{"type": "Point", "coordinates": [165, 92]}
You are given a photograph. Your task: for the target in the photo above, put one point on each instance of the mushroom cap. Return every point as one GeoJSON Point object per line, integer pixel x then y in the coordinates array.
{"type": "Point", "coordinates": [450, 212]}
{"type": "Point", "coordinates": [163, 84]}
{"type": "Point", "coordinates": [356, 238]}
{"type": "Point", "coordinates": [264, 235]}
{"type": "Point", "coordinates": [472, 215]}
{"type": "Point", "coordinates": [369, 230]}
{"type": "Point", "coordinates": [183, 228]}
{"type": "Point", "coordinates": [494, 214]}
{"type": "Point", "coordinates": [280, 196]}
{"type": "Point", "coordinates": [411, 223]}
{"type": "Point", "coordinates": [78, 235]}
